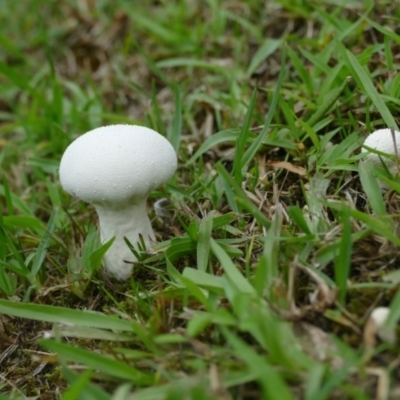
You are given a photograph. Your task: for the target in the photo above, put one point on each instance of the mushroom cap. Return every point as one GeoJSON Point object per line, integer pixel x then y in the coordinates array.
{"type": "Point", "coordinates": [379, 315]}
{"type": "Point", "coordinates": [382, 140]}
{"type": "Point", "coordinates": [117, 163]}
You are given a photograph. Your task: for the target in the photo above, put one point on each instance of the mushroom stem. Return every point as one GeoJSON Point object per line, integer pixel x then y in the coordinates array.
{"type": "Point", "coordinates": [130, 221]}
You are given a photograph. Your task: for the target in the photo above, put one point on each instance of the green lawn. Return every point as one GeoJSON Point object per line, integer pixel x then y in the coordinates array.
{"type": "Point", "coordinates": [276, 243]}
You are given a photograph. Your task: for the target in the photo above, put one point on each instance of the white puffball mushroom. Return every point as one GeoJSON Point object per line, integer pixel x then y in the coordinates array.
{"type": "Point", "coordinates": [115, 168]}
{"type": "Point", "coordinates": [378, 318]}
{"type": "Point", "coordinates": [382, 140]}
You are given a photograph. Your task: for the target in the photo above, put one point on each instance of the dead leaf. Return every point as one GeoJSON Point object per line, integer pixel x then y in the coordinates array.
{"type": "Point", "coordinates": [375, 327]}
{"type": "Point", "coordinates": [369, 333]}
{"type": "Point", "coordinates": [324, 296]}
{"type": "Point", "coordinates": [317, 343]}
{"type": "Point", "coordinates": [217, 384]}
{"type": "Point", "coordinates": [383, 386]}
{"type": "Point", "coordinates": [296, 169]}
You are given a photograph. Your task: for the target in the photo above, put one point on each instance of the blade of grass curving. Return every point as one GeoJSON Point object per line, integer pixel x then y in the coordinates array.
{"type": "Point", "coordinates": [96, 257]}
{"type": "Point", "coordinates": [231, 271]}
{"type": "Point", "coordinates": [204, 279]}
{"type": "Point", "coordinates": [229, 135]}
{"type": "Point", "coordinates": [394, 315]}
{"type": "Point", "coordinates": [152, 65]}
{"type": "Point", "coordinates": [3, 238]}
{"type": "Point", "coordinates": [6, 283]}
{"type": "Point", "coordinates": [242, 140]}
{"type": "Point", "coordinates": [203, 319]}
{"type": "Point", "coordinates": [63, 315]}
{"type": "Point", "coordinates": [8, 197]}
{"type": "Point", "coordinates": [89, 333]}
{"type": "Point", "coordinates": [186, 282]}
{"type": "Point", "coordinates": [267, 268]}
{"type": "Point", "coordinates": [329, 100]}
{"type": "Point", "coordinates": [334, 380]}
{"type": "Point", "coordinates": [155, 119]}
{"type": "Point", "coordinates": [20, 81]}
{"type": "Point", "coordinates": [389, 57]}
{"type": "Point", "coordinates": [17, 202]}
{"type": "Point", "coordinates": [163, 392]}
{"type": "Point", "coordinates": [196, 292]}
{"type": "Point", "coordinates": [180, 247]}
{"type": "Point", "coordinates": [290, 117]}
{"type": "Point", "coordinates": [18, 262]}
{"type": "Point", "coordinates": [223, 220]}
{"type": "Point", "coordinates": [311, 134]}
{"type": "Point", "coordinates": [371, 188]}
{"type": "Point", "coordinates": [382, 226]}
{"type": "Point", "coordinates": [241, 198]}
{"type": "Point", "coordinates": [153, 25]}
{"type": "Point", "coordinates": [44, 244]}
{"type": "Point", "coordinates": [296, 215]}
{"type": "Point", "coordinates": [108, 365]}
{"type": "Point", "coordinates": [253, 148]}
{"type": "Point", "coordinates": [8, 44]}
{"type": "Point", "coordinates": [363, 78]}
{"type": "Point", "coordinates": [229, 193]}
{"type": "Point", "coordinates": [174, 133]}
{"type": "Point", "coordinates": [263, 52]}
{"type": "Point", "coordinates": [391, 183]}
{"type": "Point", "coordinates": [90, 391]}
{"type": "Point", "coordinates": [144, 335]}
{"type": "Point", "coordinates": [198, 323]}
{"type": "Point", "coordinates": [271, 382]}
{"type": "Point", "coordinates": [192, 63]}
{"type": "Point", "coordinates": [203, 241]}
{"type": "Point", "coordinates": [302, 71]}
{"type": "Point", "coordinates": [343, 260]}
{"type": "Point", "coordinates": [122, 392]}
{"type": "Point", "coordinates": [78, 387]}
{"type": "Point", "coordinates": [387, 32]}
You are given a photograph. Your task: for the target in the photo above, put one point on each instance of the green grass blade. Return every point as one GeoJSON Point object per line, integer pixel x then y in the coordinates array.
{"type": "Point", "coordinates": [267, 268]}
{"type": "Point", "coordinates": [296, 215]}
{"type": "Point", "coordinates": [364, 79]}
{"type": "Point", "coordinates": [387, 32]}
{"type": "Point", "coordinates": [241, 198]}
{"type": "Point", "coordinates": [204, 279]}
{"type": "Point", "coordinates": [371, 188]}
{"type": "Point", "coordinates": [19, 80]}
{"type": "Point", "coordinates": [343, 259]}
{"type": "Point", "coordinates": [302, 71]}
{"type": "Point", "coordinates": [44, 244]}
{"type": "Point", "coordinates": [329, 101]}
{"type": "Point", "coordinates": [266, 49]}
{"type": "Point", "coordinates": [229, 135]}
{"type": "Point", "coordinates": [203, 241]}
{"type": "Point", "coordinates": [394, 315]}
{"type": "Point", "coordinates": [231, 271]}
{"type": "Point", "coordinates": [174, 133]}
{"type": "Point", "coordinates": [63, 315]}
{"type": "Point", "coordinates": [252, 150]}
{"type": "Point", "coordinates": [272, 383]}
{"type": "Point", "coordinates": [108, 365]}
{"type": "Point", "coordinates": [242, 140]}
{"type": "Point", "coordinates": [77, 389]}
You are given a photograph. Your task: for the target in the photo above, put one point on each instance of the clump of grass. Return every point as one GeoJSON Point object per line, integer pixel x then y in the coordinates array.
{"type": "Point", "coordinates": [277, 243]}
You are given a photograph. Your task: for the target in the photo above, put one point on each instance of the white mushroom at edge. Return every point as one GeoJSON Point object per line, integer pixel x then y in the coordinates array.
{"type": "Point", "coordinates": [115, 168]}
{"type": "Point", "coordinates": [382, 141]}
{"type": "Point", "coordinates": [376, 325]}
